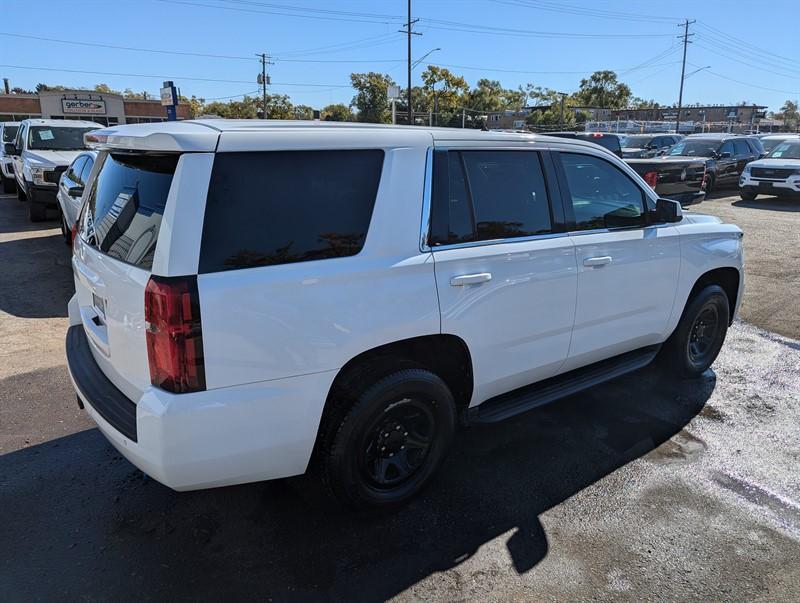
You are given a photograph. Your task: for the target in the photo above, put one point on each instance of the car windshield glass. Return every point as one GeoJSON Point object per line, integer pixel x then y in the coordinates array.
{"type": "Point", "coordinates": [9, 133]}
{"type": "Point", "coordinates": [786, 150]}
{"type": "Point", "coordinates": [636, 142]}
{"type": "Point", "coordinates": [771, 143]}
{"type": "Point", "coordinates": [695, 148]}
{"type": "Point", "coordinates": [57, 138]}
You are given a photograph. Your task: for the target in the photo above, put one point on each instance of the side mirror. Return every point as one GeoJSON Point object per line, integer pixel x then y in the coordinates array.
{"type": "Point", "coordinates": [667, 211]}
{"type": "Point", "coordinates": [10, 149]}
{"type": "Point", "coordinates": [724, 155]}
{"type": "Point", "coordinates": [75, 191]}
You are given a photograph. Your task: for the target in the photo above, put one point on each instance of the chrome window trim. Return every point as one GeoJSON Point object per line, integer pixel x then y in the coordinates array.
{"type": "Point", "coordinates": [509, 241]}
{"type": "Point", "coordinates": [425, 226]}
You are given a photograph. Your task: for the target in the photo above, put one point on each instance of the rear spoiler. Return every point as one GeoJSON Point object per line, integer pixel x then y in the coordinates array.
{"type": "Point", "coordinates": [174, 137]}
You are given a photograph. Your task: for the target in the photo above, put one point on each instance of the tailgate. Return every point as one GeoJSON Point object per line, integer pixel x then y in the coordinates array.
{"type": "Point", "coordinates": [118, 232]}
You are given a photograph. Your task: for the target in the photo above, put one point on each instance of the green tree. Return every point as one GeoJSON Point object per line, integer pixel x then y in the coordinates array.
{"type": "Point", "coordinates": [337, 112]}
{"type": "Point", "coordinates": [443, 93]}
{"type": "Point", "coordinates": [602, 89]}
{"type": "Point", "coordinates": [789, 114]}
{"type": "Point", "coordinates": [303, 112]}
{"type": "Point", "coordinates": [640, 103]}
{"type": "Point", "coordinates": [370, 99]}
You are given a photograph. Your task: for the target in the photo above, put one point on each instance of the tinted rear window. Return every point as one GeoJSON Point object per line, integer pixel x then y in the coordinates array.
{"type": "Point", "coordinates": [125, 205]}
{"type": "Point", "coordinates": [279, 207]}
{"type": "Point", "coordinates": [609, 142]}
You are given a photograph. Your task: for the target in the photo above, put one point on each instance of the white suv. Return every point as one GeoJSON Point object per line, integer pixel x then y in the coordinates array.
{"type": "Point", "coordinates": [42, 151]}
{"type": "Point", "coordinates": [776, 174]}
{"type": "Point", "coordinates": [252, 296]}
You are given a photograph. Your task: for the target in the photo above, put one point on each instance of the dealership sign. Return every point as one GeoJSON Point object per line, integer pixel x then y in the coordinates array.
{"type": "Point", "coordinates": [83, 106]}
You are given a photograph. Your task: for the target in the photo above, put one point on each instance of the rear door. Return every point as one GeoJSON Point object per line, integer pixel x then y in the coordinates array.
{"type": "Point", "coordinates": [627, 269]}
{"type": "Point", "coordinates": [726, 166]}
{"type": "Point", "coordinates": [118, 235]}
{"type": "Point", "coordinates": [505, 269]}
{"type": "Point", "coordinates": [743, 154]}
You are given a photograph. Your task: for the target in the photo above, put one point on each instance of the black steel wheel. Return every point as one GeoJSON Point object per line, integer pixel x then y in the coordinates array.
{"type": "Point", "coordinates": [698, 338]}
{"type": "Point", "coordinates": [383, 447]}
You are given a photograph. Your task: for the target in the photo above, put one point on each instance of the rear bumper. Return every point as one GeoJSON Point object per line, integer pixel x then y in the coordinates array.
{"type": "Point", "coordinates": [212, 438]}
{"type": "Point", "coordinates": [691, 198]}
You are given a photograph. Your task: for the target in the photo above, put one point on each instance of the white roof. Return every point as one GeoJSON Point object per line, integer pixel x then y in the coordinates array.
{"type": "Point", "coordinates": [64, 123]}
{"type": "Point", "coordinates": [203, 135]}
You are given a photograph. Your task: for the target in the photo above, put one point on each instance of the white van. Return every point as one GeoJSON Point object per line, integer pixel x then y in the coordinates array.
{"type": "Point", "coordinates": [252, 296]}
{"type": "Point", "coordinates": [42, 151]}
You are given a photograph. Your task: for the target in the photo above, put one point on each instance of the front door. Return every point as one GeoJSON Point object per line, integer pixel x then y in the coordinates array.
{"type": "Point", "coordinates": [627, 269]}
{"type": "Point", "coordinates": [505, 268]}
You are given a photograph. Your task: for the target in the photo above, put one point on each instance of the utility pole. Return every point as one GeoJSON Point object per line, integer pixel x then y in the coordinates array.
{"type": "Point", "coordinates": [463, 117]}
{"type": "Point", "coordinates": [408, 31]}
{"type": "Point", "coordinates": [686, 42]}
{"type": "Point", "coordinates": [263, 79]}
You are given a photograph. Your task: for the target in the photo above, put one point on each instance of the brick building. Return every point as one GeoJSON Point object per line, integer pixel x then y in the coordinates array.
{"type": "Point", "coordinates": [105, 109]}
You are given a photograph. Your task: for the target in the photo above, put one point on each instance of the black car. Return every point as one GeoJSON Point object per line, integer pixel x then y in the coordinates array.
{"type": "Point", "coordinates": [725, 155]}
{"type": "Point", "coordinates": [612, 142]}
{"type": "Point", "coordinates": [644, 146]}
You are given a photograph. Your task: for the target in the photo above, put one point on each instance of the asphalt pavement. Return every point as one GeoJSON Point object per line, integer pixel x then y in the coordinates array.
{"type": "Point", "coordinates": [641, 489]}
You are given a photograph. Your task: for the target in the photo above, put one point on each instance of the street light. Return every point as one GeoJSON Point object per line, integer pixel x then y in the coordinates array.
{"type": "Point", "coordinates": [423, 57]}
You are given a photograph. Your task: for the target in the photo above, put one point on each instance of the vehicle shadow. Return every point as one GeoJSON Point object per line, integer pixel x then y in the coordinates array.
{"type": "Point", "coordinates": [15, 217]}
{"type": "Point", "coordinates": [104, 530]}
{"type": "Point", "coordinates": [771, 204]}
{"type": "Point", "coordinates": [36, 280]}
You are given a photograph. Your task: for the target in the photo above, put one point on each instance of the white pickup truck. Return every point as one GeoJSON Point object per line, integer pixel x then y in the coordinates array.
{"type": "Point", "coordinates": [252, 297]}
{"type": "Point", "coordinates": [42, 150]}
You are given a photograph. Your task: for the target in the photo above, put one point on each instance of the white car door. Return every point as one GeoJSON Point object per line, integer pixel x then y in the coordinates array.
{"type": "Point", "coordinates": [627, 266]}
{"type": "Point", "coordinates": [505, 268]}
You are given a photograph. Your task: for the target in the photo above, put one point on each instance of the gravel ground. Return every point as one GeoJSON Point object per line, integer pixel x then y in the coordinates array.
{"type": "Point", "coordinates": [640, 489]}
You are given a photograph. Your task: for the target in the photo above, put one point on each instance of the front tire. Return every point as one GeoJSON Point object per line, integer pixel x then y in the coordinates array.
{"type": "Point", "coordinates": [9, 185]}
{"type": "Point", "coordinates": [388, 444]}
{"type": "Point", "coordinates": [747, 195]}
{"type": "Point", "coordinates": [698, 338]}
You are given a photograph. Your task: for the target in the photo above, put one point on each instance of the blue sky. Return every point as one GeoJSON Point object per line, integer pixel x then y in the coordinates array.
{"type": "Point", "coordinates": [316, 44]}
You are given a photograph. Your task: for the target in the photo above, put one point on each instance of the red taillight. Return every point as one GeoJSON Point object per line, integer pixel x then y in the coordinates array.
{"type": "Point", "coordinates": [597, 135]}
{"type": "Point", "coordinates": [652, 179]}
{"type": "Point", "coordinates": [174, 334]}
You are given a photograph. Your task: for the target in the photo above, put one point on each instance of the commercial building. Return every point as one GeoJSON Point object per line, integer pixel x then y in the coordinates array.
{"type": "Point", "coordinates": [100, 107]}
{"type": "Point", "coordinates": [700, 118]}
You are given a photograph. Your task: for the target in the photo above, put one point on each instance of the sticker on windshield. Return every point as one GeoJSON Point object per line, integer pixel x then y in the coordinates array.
{"type": "Point", "coordinates": [45, 135]}
{"type": "Point", "coordinates": [777, 153]}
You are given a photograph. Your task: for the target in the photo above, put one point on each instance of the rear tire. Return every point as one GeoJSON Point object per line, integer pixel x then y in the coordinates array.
{"type": "Point", "coordinates": [698, 338]}
{"type": "Point", "coordinates": [747, 196]}
{"type": "Point", "coordinates": [381, 450]}
{"type": "Point", "coordinates": [66, 232]}
{"type": "Point", "coordinates": [709, 185]}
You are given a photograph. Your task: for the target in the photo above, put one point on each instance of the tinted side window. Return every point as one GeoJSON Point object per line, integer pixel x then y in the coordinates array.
{"type": "Point", "coordinates": [123, 210]}
{"type": "Point", "coordinates": [74, 172]}
{"type": "Point", "coordinates": [86, 170]}
{"type": "Point", "coordinates": [726, 148]}
{"type": "Point", "coordinates": [741, 147]}
{"type": "Point", "coordinates": [508, 193]}
{"type": "Point", "coordinates": [267, 208]}
{"type": "Point", "coordinates": [461, 221]}
{"type": "Point", "coordinates": [602, 195]}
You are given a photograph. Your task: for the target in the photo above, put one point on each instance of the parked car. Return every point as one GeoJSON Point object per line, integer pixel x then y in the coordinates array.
{"type": "Point", "coordinates": [8, 130]}
{"type": "Point", "coordinates": [612, 142]}
{"type": "Point", "coordinates": [725, 156]}
{"type": "Point", "coordinates": [71, 186]}
{"type": "Point", "coordinates": [42, 150]}
{"type": "Point", "coordinates": [681, 179]}
{"type": "Point", "coordinates": [777, 174]}
{"type": "Point", "coordinates": [643, 146]}
{"type": "Point", "coordinates": [770, 141]}
{"type": "Point", "coordinates": [252, 296]}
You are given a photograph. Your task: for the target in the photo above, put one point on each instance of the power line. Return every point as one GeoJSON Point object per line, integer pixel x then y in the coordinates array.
{"type": "Point", "coordinates": [590, 12]}
{"type": "Point", "coordinates": [717, 50]}
{"type": "Point", "coordinates": [509, 31]}
{"type": "Point", "coordinates": [748, 84]}
{"type": "Point", "coordinates": [728, 38]}
{"type": "Point", "coordinates": [216, 98]}
{"type": "Point", "coordinates": [176, 77]}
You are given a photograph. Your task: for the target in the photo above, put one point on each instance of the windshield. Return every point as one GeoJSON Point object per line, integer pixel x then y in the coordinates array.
{"type": "Point", "coordinates": [52, 138]}
{"type": "Point", "coordinates": [695, 148]}
{"type": "Point", "coordinates": [9, 133]}
{"type": "Point", "coordinates": [771, 143]}
{"type": "Point", "coordinates": [636, 142]}
{"type": "Point", "coordinates": [786, 150]}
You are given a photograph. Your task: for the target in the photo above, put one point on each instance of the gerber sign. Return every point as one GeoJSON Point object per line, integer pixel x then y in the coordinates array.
{"type": "Point", "coordinates": [83, 106]}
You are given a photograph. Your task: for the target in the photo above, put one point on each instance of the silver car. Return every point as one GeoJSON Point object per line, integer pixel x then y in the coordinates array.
{"type": "Point", "coordinates": [70, 190]}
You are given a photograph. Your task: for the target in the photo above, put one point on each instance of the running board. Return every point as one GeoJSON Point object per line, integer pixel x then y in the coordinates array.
{"type": "Point", "coordinates": [526, 398]}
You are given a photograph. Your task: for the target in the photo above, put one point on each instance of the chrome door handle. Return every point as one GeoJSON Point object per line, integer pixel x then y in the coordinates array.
{"type": "Point", "coordinates": [470, 279]}
{"type": "Point", "coordinates": [598, 261]}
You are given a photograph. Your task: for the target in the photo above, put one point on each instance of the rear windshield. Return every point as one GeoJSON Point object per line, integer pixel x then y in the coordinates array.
{"type": "Point", "coordinates": [609, 142]}
{"type": "Point", "coordinates": [125, 204]}
{"type": "Point", "coordinates": [52, 138]}
{"type": "Point", "coordinates": [279, 207]}
{"type": "Point", "coordinates": [695, 148]}
{"type": "Point", "coordinates": [9, 133]}
{"type": "Point", "coordinates": [636, 142]}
